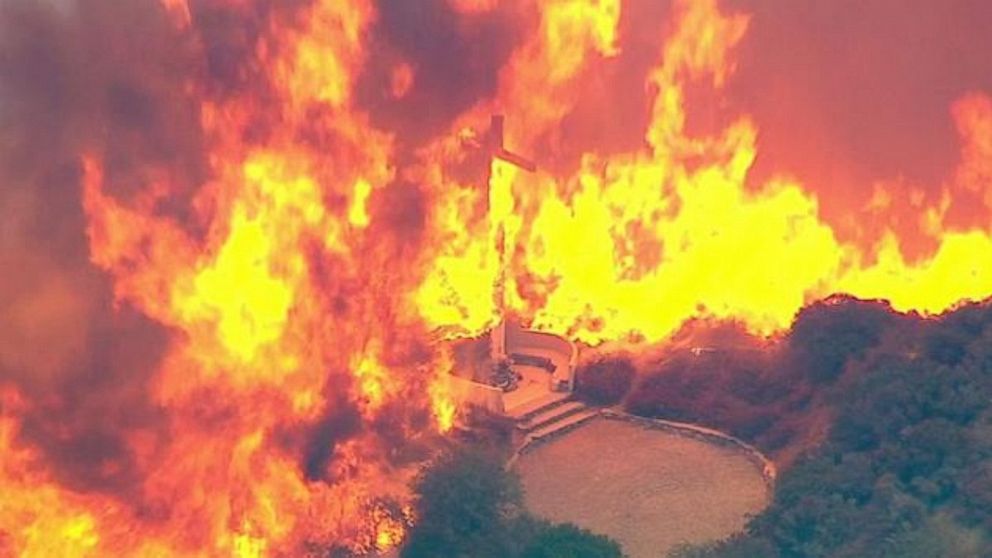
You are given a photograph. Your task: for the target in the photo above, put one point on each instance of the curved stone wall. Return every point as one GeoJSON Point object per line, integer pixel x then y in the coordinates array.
{"type": "Point", "coordinates": [562, 353]}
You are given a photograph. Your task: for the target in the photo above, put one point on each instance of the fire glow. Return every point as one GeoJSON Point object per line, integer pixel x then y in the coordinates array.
{"type": "Point", "coordinates": [308, 285]}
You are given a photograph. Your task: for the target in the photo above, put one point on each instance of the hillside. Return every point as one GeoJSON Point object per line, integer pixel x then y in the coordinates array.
{"type": "Point", "coordinates": [882, 421]}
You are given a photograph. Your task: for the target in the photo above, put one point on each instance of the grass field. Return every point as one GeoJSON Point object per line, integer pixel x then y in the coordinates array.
{"type": "Point", "coordinates": [648, 489]}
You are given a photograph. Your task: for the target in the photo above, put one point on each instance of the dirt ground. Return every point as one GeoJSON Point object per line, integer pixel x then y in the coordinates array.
{"type": "Point", "coordinates": [647, 489]}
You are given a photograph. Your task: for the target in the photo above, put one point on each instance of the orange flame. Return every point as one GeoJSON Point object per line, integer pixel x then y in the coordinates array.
{"type": "Point", "coordinates": [635, 244]}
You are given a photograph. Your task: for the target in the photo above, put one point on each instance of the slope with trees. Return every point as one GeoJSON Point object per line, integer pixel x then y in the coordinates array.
{"type": "Point", "coordinates": [905, 469]}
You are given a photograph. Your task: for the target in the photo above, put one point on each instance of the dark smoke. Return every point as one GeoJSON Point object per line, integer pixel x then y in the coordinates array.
{"type": "Point", "coordinates": [106, 79]}
{"type": "Point", "coordinates": [341, 422]}
{"type": "Point", "coordinates": [455, 59]}
{"type": "Point", "coordinates": [82, 423]}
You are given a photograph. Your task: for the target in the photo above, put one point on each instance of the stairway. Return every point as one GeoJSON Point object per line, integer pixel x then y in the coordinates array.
{"type": "Point", "coordinates": [550, 415]}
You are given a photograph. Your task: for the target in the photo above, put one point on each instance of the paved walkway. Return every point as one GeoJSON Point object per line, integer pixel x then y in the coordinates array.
{"type": "Point", "coordinates": [535, 383]}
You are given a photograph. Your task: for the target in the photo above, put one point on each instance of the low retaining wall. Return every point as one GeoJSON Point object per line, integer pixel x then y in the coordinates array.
{"type": "Point", "coordinates": [767, 467]}
{"type": "Point", "coordinates": [701, 433]}
{"type": "Point", "coordinates": [519, 340]}
{"type": "Point", "coordinates": [479, 395]}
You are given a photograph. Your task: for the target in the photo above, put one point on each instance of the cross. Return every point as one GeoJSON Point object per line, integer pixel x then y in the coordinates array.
{"type": "Point", "coordinates": [492, 143]}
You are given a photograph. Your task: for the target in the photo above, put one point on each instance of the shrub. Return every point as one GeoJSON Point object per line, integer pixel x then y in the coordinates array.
{"type": "Point", "coordinates": [569, 541]}
{"type": "Point", "coordinates": [469, 506]}
{"type": "Point", "coordinates": [826, 335]}
{"type": "Point", "coordinates": [605, 381]}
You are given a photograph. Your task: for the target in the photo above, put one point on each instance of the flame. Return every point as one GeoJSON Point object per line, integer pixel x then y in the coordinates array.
{"type": "Point", "coordinates": [443, 401]}
{"type": "Point", "coordinates": [634, 244]}
{"type": "Point", "coordinates": [311, 287]}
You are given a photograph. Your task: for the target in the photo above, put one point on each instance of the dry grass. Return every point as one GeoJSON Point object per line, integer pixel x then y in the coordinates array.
{"type": "Point", "coordinates": [650, 490]}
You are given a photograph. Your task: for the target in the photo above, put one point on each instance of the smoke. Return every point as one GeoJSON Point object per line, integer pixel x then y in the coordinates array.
{"type": "Point", "coordinates": [106, 78]}
{"type": "Point", "coordinates": [612, 114]}
{"type": "Point", "coordinates": [455, 61]}
{"type": "Point", "coordinates": [850, 94]}
{"type": "Point", "coordinates": [342, 421]}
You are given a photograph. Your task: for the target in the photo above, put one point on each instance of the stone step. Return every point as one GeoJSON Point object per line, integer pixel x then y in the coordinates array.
{"type": "Point", "coordinates": [564, 425]}
{"type": "Point", "coordinates": [555, 413]}
{"type": "Point", "coordinates": [529, 409]}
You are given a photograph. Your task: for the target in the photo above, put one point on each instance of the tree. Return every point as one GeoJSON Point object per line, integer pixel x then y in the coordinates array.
{"type": "Point", "coordinates": [828, 334]}
{"type": "Point", "coordinates": [905, 470]}
{"type": "Point", "coordinates": [463, 502]}
{"type": "Point", "coordinates": [469, 506]}
{"type": "Point", "coordinates": [569, 541]}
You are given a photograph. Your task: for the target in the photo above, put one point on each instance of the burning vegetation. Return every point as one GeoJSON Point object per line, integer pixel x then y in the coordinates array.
{"type": "Point", "coordinates": [239, 235]}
